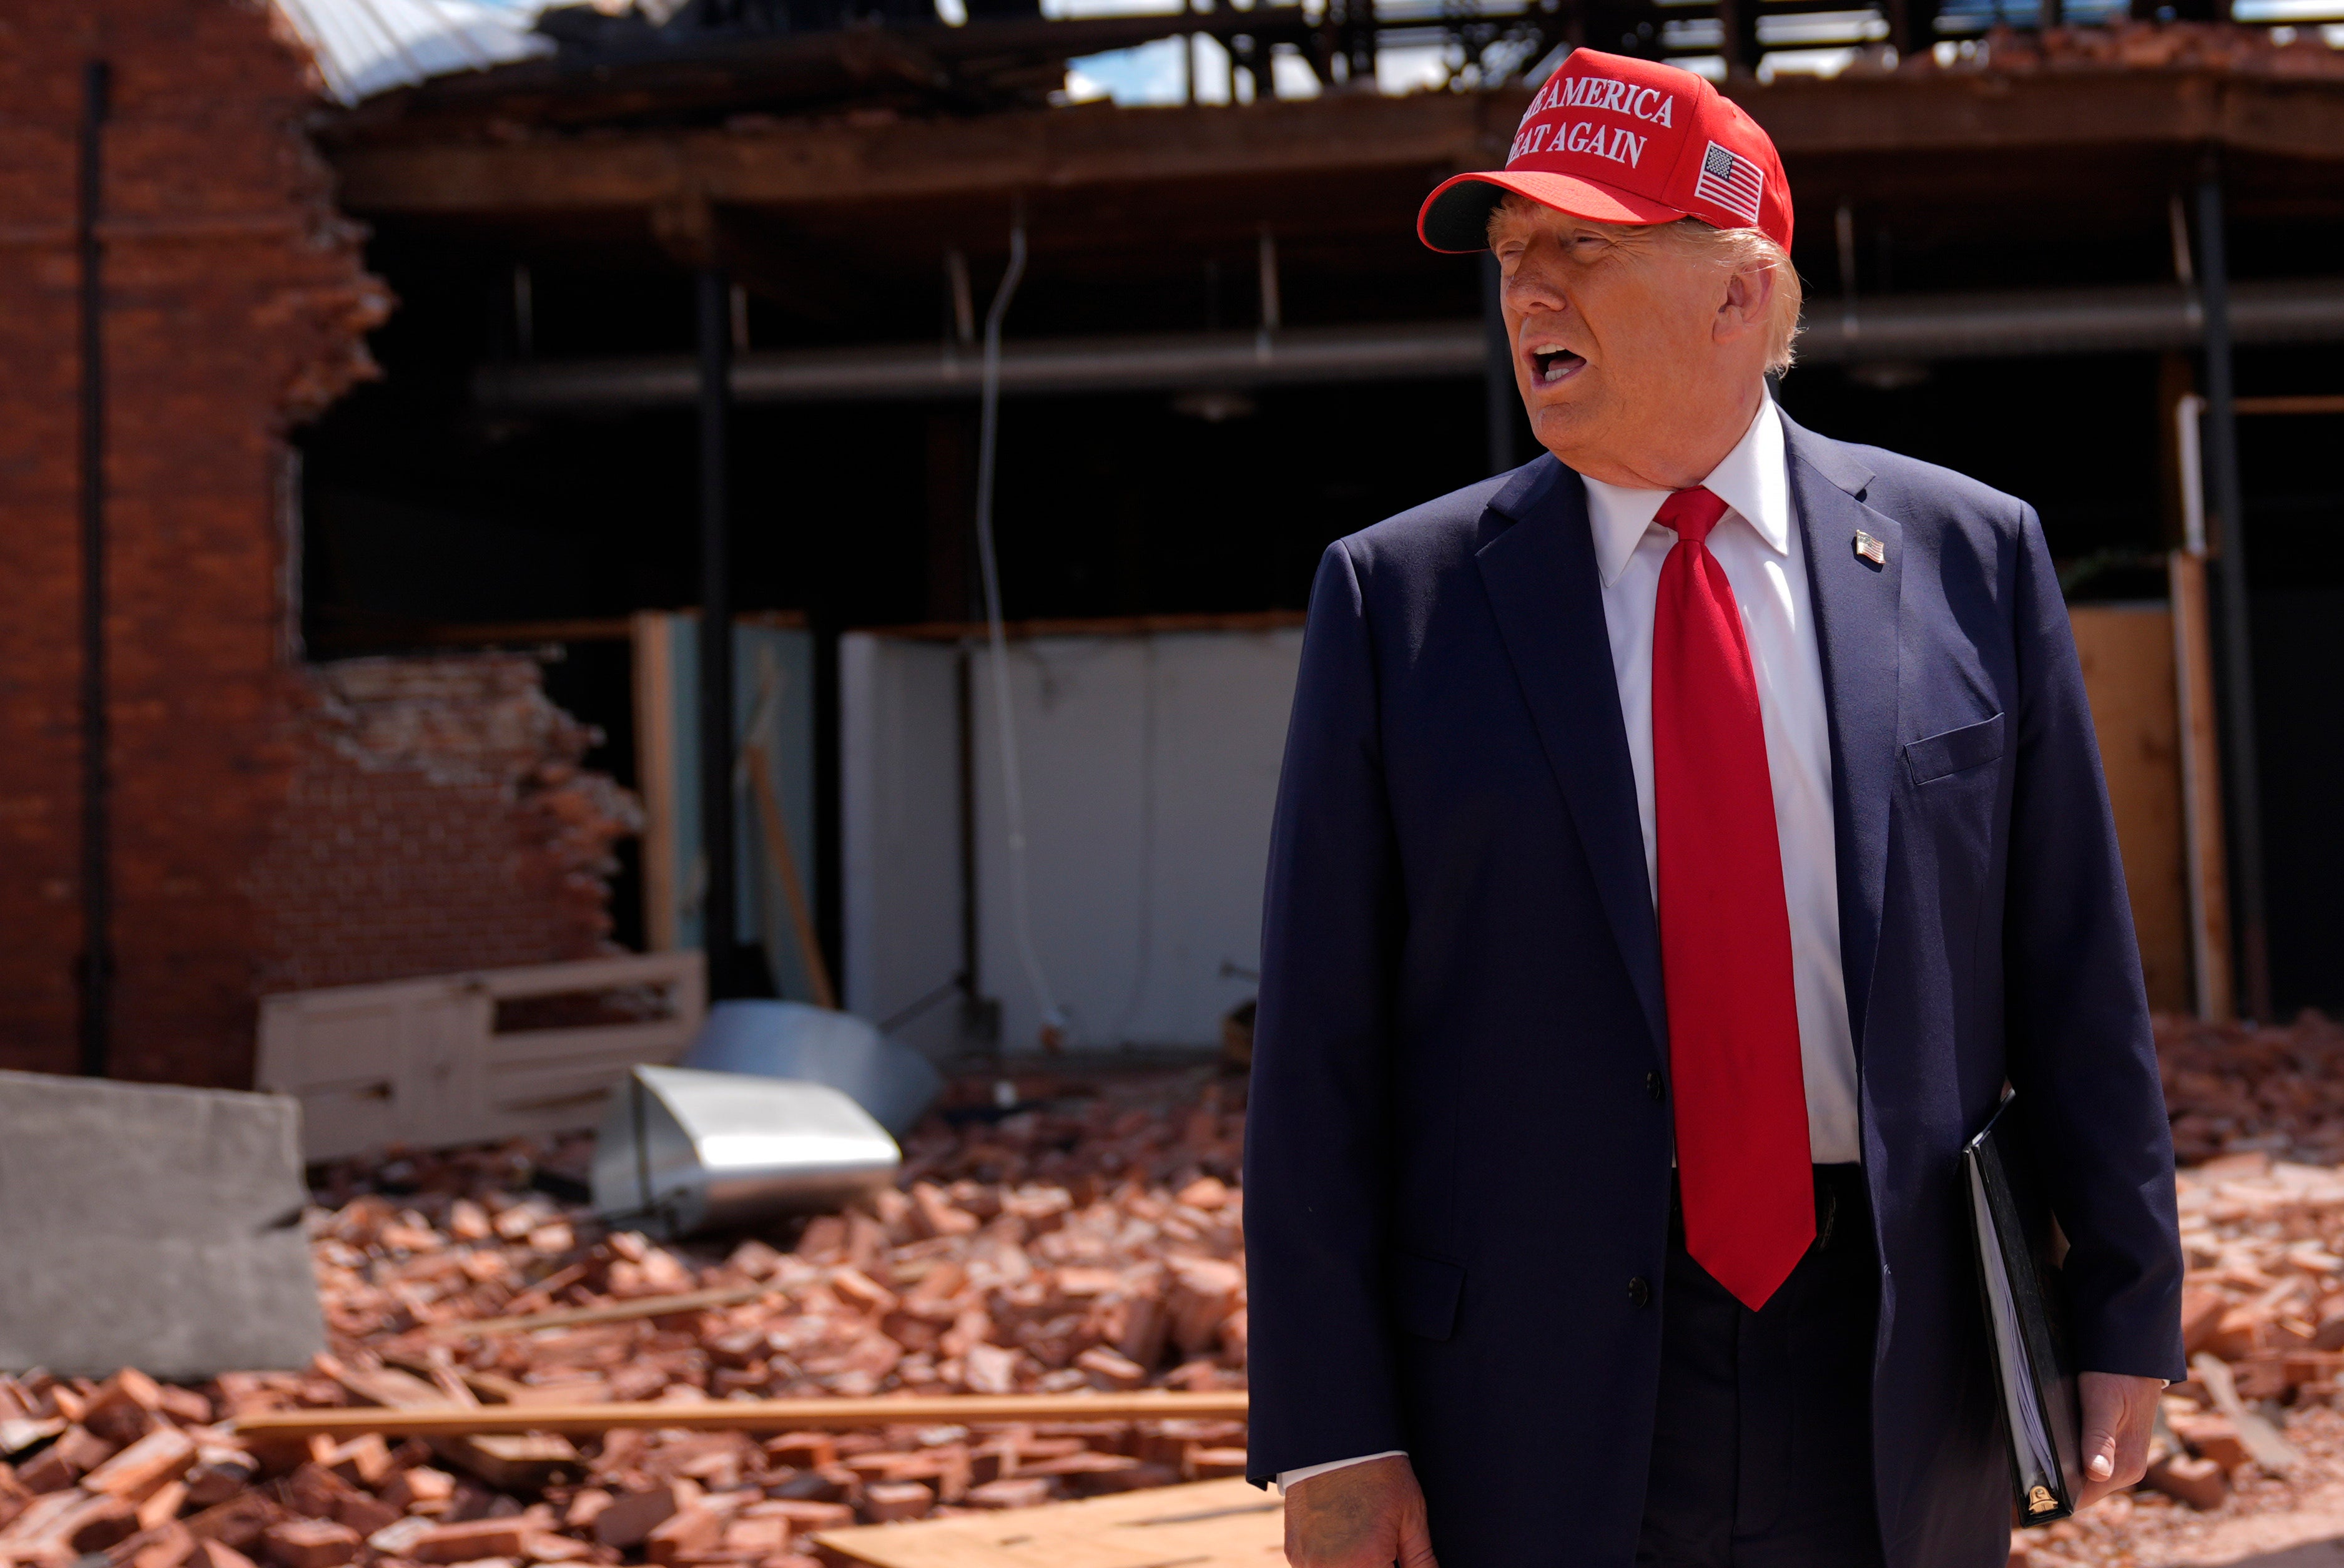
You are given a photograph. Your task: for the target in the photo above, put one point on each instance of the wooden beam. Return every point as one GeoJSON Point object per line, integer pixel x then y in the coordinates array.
{"type": "Point", "coordinates": [2309, 403]}
{"type": "Point", "coordinates": [749, 1414]}
{"type": "Point", "coordinates": [833, 163]}
{"type": "Point", "coordinates": [2200, 747]}
{"type": "Point", "coordinates": [1962, 112]}
{"type": "Point", "coordinates": [1205, 1525]}
{"type": "Point", "coordinates": [808, 164]}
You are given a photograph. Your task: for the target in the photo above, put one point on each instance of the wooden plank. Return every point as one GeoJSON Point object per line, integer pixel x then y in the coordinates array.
{"type": "Point", "coordinates": [2126, 651]}
{"type": "Point", "coordinates": [776, 834]}
{"type": "Point", "coordinates": [590, 975]}
{"type": "Point", "coordinates": [420, 1060]}
{"type": "Point", "coordinates": [752, 1414]}
{"type": "Point", "coordinates": [2201, 788]}
{"type": "Point", "coordinates": [520, 1051]}
{"type": "Point", "coordinates": [655, 680]}
{"type": "Point", "coordinates": [1206, 1524]}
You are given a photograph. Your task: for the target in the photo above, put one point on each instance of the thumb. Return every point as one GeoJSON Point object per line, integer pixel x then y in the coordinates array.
{"type": "Point", "coordinates": [2100, 1454]}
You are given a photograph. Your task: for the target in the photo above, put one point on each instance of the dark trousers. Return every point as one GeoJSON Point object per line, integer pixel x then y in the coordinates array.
{"type": "Point", "coordinates": [1762, 1451]}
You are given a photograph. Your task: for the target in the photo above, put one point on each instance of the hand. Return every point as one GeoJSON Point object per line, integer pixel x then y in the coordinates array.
{"type": "Point", "coordinates": [1367, 1515]}
{"type": "Point", "coordinates": [2119, 1412]}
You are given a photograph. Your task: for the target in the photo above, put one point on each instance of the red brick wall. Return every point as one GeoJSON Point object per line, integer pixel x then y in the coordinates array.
{"type": "Point", "coordinates": [237, 304]}
{"type": "Point", "coordinates": [438, 820]}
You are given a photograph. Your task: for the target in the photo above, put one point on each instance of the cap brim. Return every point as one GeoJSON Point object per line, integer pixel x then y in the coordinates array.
{"type": "Point", "coordinates": [1456, 216]}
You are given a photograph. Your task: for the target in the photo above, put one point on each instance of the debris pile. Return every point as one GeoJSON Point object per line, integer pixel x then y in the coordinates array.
{"type": "Point", "coordinates": [2232, 1090]}
{"type": "Point", "coordinates": [138, 1473]}
{"type": "Point", "coordinates": [1091, 1242]}
{"type": "Point", "coordinates": [1088, 1237]}
{"type": "Point", "coordinates": [1085, 1244]}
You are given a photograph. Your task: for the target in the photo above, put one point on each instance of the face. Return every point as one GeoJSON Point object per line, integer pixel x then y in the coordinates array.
{"type": "Point", "coordinates": [1635, 351]}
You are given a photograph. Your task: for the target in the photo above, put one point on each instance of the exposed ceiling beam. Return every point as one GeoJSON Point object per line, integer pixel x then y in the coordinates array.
{"type": "Point", "coordinates": [818, 164]}
{"type": "Point", "coordinates": [1888, 328]}
{"type": "Point", "coordinates": [792, 163]}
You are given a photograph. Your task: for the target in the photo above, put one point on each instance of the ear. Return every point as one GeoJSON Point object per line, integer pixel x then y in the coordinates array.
{"type": "Point", "coordinates": [1749, 299]}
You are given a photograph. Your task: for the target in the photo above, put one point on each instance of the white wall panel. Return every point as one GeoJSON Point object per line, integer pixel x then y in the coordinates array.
{"type": "Point", "coordinates": [899, 757]}
{"type": "Point", "coordinates": [1150, 766]}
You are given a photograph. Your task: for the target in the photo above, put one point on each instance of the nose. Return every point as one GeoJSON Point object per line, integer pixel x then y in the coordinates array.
{"type": "Point", "coordinates": [1533, 287]}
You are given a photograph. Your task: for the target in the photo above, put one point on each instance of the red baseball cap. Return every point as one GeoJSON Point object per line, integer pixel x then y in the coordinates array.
{"type": "Point", "coordinates": [1616, 140]}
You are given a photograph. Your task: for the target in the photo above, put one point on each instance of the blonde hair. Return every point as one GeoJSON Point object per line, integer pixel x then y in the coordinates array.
{"type": "Point", "coordinates": [1733, 249]}
{"type": "Point", "coordinates": [1748, 249]}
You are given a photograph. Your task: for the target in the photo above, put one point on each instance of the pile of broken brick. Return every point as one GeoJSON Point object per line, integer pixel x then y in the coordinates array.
{"type": "Point", "coordinates": [1093, 1240]}
{"type": "Point", "coordinates": [1088, 1241]}
{"type": "Point", "coordinates": [186, 1492]}
{"type": "Point", "coordinates": [2233, 1091]}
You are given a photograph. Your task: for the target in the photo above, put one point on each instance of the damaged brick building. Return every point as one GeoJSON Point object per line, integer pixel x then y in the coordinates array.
{"type": "Point", "coordinates": [259, 823]}
{"type": "Point", "coordinates": [332, 758]}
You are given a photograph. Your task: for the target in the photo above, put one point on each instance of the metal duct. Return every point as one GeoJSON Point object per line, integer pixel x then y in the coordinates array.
{"type": "Point", "coordinates": [681, 1151]}
{"type": "Point", "coordinates": [1912, 327]}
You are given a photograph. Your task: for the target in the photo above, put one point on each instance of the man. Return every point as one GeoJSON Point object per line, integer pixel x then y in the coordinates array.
{"type": "Point", "coordinates": [1682, 841]}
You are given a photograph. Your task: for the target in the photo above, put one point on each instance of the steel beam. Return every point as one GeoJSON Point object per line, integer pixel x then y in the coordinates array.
{"type": "Point", "coordinates": [2243, 795]}
{"type": "Point", "coordinates": [713, 386]}
{"type": "Point", "coordinates": [1913, 328]}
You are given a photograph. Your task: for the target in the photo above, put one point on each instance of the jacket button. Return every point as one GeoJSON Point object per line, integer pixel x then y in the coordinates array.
{"type": "Point", "coordinates": [1655, 1087]}
{"type": "Point", "coordinates": [1638, 1293]}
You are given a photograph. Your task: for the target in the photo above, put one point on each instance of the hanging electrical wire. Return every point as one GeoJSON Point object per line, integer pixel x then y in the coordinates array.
{"type": "Point", "coordinates": [1012, 795]}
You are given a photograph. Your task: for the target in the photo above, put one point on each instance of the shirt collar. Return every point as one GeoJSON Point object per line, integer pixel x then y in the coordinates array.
{"type": "Point", "coordinates": [1753, 479]}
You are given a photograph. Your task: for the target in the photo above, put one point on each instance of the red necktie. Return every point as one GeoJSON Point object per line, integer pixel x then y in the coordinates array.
{"type": "Point", "coordinates": [1743, 1162]}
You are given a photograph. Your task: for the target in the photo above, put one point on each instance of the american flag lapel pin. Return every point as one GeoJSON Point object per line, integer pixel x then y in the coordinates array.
{"type": "Point", "coordinates": [1870, 549]}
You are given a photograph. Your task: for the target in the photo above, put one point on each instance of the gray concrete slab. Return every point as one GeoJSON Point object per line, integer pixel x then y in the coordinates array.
{"type": "Point", "coordinates": [155, 1227]}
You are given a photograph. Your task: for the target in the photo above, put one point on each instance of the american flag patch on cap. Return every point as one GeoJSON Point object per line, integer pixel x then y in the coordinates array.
{"type": "Point", "coordinates": [1732, 182]}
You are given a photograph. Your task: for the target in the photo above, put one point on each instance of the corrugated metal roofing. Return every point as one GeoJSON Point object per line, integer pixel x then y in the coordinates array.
{"type": "Point", "coordinates": [367, 46]}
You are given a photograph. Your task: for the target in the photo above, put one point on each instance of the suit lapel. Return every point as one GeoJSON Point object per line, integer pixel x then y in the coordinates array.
{"type": "Point", "coordinates": [1543, 584]}
{"type": "Point", "coordinates": [1855, 605]}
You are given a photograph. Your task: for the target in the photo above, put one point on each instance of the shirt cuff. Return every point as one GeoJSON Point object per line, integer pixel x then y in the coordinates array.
{"type": "Point", "coordinates": [1288, 1479]}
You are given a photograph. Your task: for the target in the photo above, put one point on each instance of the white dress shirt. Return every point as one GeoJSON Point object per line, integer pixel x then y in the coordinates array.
{"type": "Point", "coordinates": [1757, 543]}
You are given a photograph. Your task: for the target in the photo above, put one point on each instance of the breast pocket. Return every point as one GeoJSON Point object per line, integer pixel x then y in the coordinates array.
{"type": "Point", "coordinates": [1953, 751]}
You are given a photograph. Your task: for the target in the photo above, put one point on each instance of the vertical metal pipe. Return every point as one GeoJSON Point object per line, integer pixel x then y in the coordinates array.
{"type": "Point", "coordinates": [1500, 393]}
{"type": "Point", "coordinates": [964, 758]}
{"type": "Point", "coordinates": [524, 310]}
{"type": "Point", "coordinates": [2244, 793]}
{"type": "Point", "coordinates": [718, 937]}
{"type": "Point", "coordinates": [829, 846]}
{"type": "Point", "coordinates": [97, 848]}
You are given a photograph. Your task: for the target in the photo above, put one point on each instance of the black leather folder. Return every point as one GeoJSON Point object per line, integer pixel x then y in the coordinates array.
{"type": "Point", "coordinates": [2025, 1319]}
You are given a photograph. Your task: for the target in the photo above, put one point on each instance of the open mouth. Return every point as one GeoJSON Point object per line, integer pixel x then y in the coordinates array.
{"type": "Point", "coordinates": [1551, 363]}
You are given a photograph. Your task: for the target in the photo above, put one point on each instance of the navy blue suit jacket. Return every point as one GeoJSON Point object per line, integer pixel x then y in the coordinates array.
{"type": "Point", "coordinates": [1453, 1167]}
